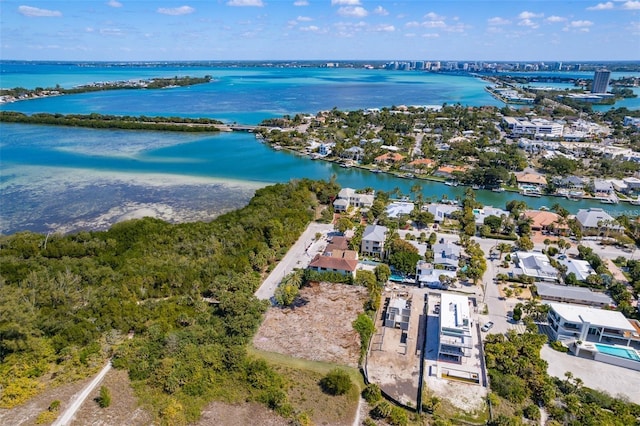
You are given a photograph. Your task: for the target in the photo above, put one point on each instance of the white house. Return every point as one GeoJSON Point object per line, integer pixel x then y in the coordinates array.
{"type": "Point", "coordinates": [447, 255]}
{"type": "Point", "coordinates": [580, 268]}
{"type": "Point", "coordinates": [428, 276]}
{"type": "Point", "coordinates": [537, 265]}
{"type": "Point", "coordinates": [399, 208]}
{"type": "Point", "coordinates": [455, 339]}
{"type": "Point", "coordinates": [349, 197]}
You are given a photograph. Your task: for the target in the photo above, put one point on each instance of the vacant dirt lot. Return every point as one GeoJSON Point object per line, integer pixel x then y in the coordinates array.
{"type": "Point", "coordinates": [319, 328]}
{"type": "Point", "coordinates": [123, 409]}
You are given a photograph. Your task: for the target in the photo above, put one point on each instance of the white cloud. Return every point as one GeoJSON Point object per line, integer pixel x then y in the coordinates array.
{"type": "Point", "coordinates": [431, 35]}
{"type": "Point", "coordinates": [345, 2]}
{"type": "Point", "coordinates": [554, 19]}
{"type": "Point", "coordinates": [89, 30]}
{"type": "Point", "coordinates": [528, 23]}
{"type": "Point", "coordinates": [412, 24]}
{"type": "Point", "coordinates": [175, 11]}
{"type": "Point", "coordinates": [310, 28]}
{"type": "Point", "coordinates": [37, 12]}
{"type": "Point", "coordinates": [631, 5]}
{"type": "Point", "coordinates": [580, 24]}
{"type": "Point", "coordinates": [241, 3]}
{"type": "Point", "coordinates": [498, 21]}
{"type": "Point", "coordinates": [434, 16]}
{"type": "Point", "coordinates": [434, 24]}
{"type": "Point", "coordinates": [114, 3]}
{"type": "Point", "coordinates": [303, 19]}
{"type": "Point", "coordinates": [301, 3]}
{"type": "Point", "coordinates": [380, 11]}
{"type": "Point", "coordinates": [354, 11]}
{"type": "Point", "coordinates": [601, 6]}
{"type": "Point", "coordinates": [385, 28]}
{"type": "Point", "coordinates": [528, 15]}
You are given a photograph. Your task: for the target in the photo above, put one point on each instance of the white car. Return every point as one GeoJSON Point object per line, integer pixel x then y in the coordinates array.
{"type": "Point", "coordinates": [487, 326]}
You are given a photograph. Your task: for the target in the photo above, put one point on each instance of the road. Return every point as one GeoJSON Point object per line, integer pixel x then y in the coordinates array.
{"type": "Point", "coordinates": [298, 256]}
{"type": "Point", "coordinates": [67, 416]}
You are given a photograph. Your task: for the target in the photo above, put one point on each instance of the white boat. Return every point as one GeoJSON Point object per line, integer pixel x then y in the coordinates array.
{"type": "Point", "coordinates": [530, 193]}
{"type": "Point", "coordinates": [609, 201]}
{"type": "Point", "coordinates": [635, 202]}
{"type": "Point", "coordinates": [498, 189]}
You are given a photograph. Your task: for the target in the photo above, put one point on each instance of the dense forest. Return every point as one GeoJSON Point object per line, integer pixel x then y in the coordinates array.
{"type": "Point", "coordinates": [182, 293]}
{"type": "Point", "coordinates": [100, 121]}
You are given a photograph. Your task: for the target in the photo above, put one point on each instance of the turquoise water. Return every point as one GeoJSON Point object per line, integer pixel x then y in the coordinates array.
{"type": "Point", "coordinates": [617, 351]}
{"type": "Point", "coordinates": [54, 175]}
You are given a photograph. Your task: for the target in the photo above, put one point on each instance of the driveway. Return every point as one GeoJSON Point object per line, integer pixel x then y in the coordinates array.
{"type": "Point", "coordinates": [298, 257]}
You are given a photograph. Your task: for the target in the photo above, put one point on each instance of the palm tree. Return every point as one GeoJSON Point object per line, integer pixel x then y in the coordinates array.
{"type": "Point", "coordinates": [503, 248]}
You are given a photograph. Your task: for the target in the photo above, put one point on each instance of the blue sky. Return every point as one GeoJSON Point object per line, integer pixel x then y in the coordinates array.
{"type": "Point", "coordinates": [146, 30]}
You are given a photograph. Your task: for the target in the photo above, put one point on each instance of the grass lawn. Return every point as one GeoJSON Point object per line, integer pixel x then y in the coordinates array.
{"type": "Point", "coordinates": [304, 391]}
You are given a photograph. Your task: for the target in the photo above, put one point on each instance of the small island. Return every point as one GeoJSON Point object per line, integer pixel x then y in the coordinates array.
{"type": "Point", "coordinates": [20, 93]}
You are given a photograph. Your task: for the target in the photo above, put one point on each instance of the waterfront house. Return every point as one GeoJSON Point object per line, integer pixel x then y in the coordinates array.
{"type": "Point", "coordinates": [536, 265]}
{"type": "Point", "coordinates": [348, 197]}
{"type": "Point", "coordinates": [441, 212]}
{"type": "Point", "coordinates": [534, 179]}
{"type": "Point", "coordinates": [596, 221]}
{"type": "Point", "coordinates": [572, 294]}
{"type": "Point", "coordinates": [354, 153]}
{"type": "Point", "coordinates": [570, 182]}
{"type": "Point", "coordinates": [420, 165]}
{"type": "Point", "coordinates": [455, 339]}
{"type": "Point", "coordinates": [389, 158]}
{"type": "Point", "coordinates": [373, 239]}
{"type": "Point", "coordinates": [602, 188]}
{"type": "Point", "coordinates": [546, 221]}
{"type": "Point", "coordinates": [399, 209]}
{"type": "Point", "coordinates": [326, 148]}
{"type": "Point", "coordinates": [449, 172]}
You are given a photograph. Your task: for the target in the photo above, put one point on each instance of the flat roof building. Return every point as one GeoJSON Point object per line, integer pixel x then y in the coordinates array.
{"type": "Point", "coordinates": [455, 339]}
{"type": "Point", "coordinates": [572, 294]}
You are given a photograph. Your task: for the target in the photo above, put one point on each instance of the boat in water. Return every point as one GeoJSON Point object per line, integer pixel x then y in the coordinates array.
{"type": "Point", "coordinates": [530, 193]}
{"type": "Point", "coordinates": [451, 183]}
{"type": "Point", "coordinates": [609, 201]}
{"type": "Point", "coordinates": [498, 189]}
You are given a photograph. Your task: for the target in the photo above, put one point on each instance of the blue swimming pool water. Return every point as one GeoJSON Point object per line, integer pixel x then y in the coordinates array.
{"type": "Point", "coordinates": [396, 277]}
{"type": "Point", "coordinates": [618, 351]}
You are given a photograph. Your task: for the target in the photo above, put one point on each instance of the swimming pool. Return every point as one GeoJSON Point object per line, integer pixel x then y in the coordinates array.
{"type": "Point", "coordinates": [618, 351]}
{"type": "Point", "coordinates": [397, 278]}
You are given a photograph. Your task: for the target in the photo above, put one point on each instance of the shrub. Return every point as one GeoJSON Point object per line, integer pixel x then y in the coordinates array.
{"type": "Point", "coordinates": [55, 405]}
{"type": "Point", "coordinates": [398, 417]}
{"type": "Point", "coordinates": [372, 393]}
{"type": "Point", "coordinates": [104, 400]}
{"type": "Point", "coordinates": [336, 382]}
{"type": "Point", "coordinates": [531, 412]}
{"type": "Point", "coordinates": [382, 410]}
{"type": "Point", "coordinates": [558, 346]}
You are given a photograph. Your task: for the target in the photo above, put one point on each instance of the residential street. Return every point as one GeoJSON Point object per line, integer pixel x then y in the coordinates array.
{"type": "Point", "coordinates": [298, 256]}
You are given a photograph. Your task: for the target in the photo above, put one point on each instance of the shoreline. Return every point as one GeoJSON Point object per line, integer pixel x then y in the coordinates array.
{"type": "Point", "coordinates": [403, 175]}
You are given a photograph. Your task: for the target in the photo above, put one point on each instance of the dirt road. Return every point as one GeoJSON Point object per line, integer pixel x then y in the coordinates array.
{"type": "Point", "coordinates": [67, 416]}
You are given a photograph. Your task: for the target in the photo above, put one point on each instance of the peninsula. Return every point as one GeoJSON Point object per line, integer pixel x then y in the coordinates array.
{"type": "Point", "coordinates": [20, 93]}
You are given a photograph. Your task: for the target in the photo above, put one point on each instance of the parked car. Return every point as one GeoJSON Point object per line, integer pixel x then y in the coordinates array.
{"type": "Point", "coordinates": [487, 326]}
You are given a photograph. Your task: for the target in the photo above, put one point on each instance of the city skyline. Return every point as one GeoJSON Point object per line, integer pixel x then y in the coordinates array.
{"type": "Point", "coordinates": [485, 30]}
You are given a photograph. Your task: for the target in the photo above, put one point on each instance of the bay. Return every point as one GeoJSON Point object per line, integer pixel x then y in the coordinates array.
{"type": "Point", "coordinates": [55, 178]}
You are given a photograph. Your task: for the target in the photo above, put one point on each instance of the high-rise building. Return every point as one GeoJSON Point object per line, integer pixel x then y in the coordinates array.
{"type": "Point", "coordinates": [600, 81]}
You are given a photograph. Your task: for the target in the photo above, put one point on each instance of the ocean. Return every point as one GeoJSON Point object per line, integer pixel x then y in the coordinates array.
{"type": "Point", "coordinates": [65, 179]}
